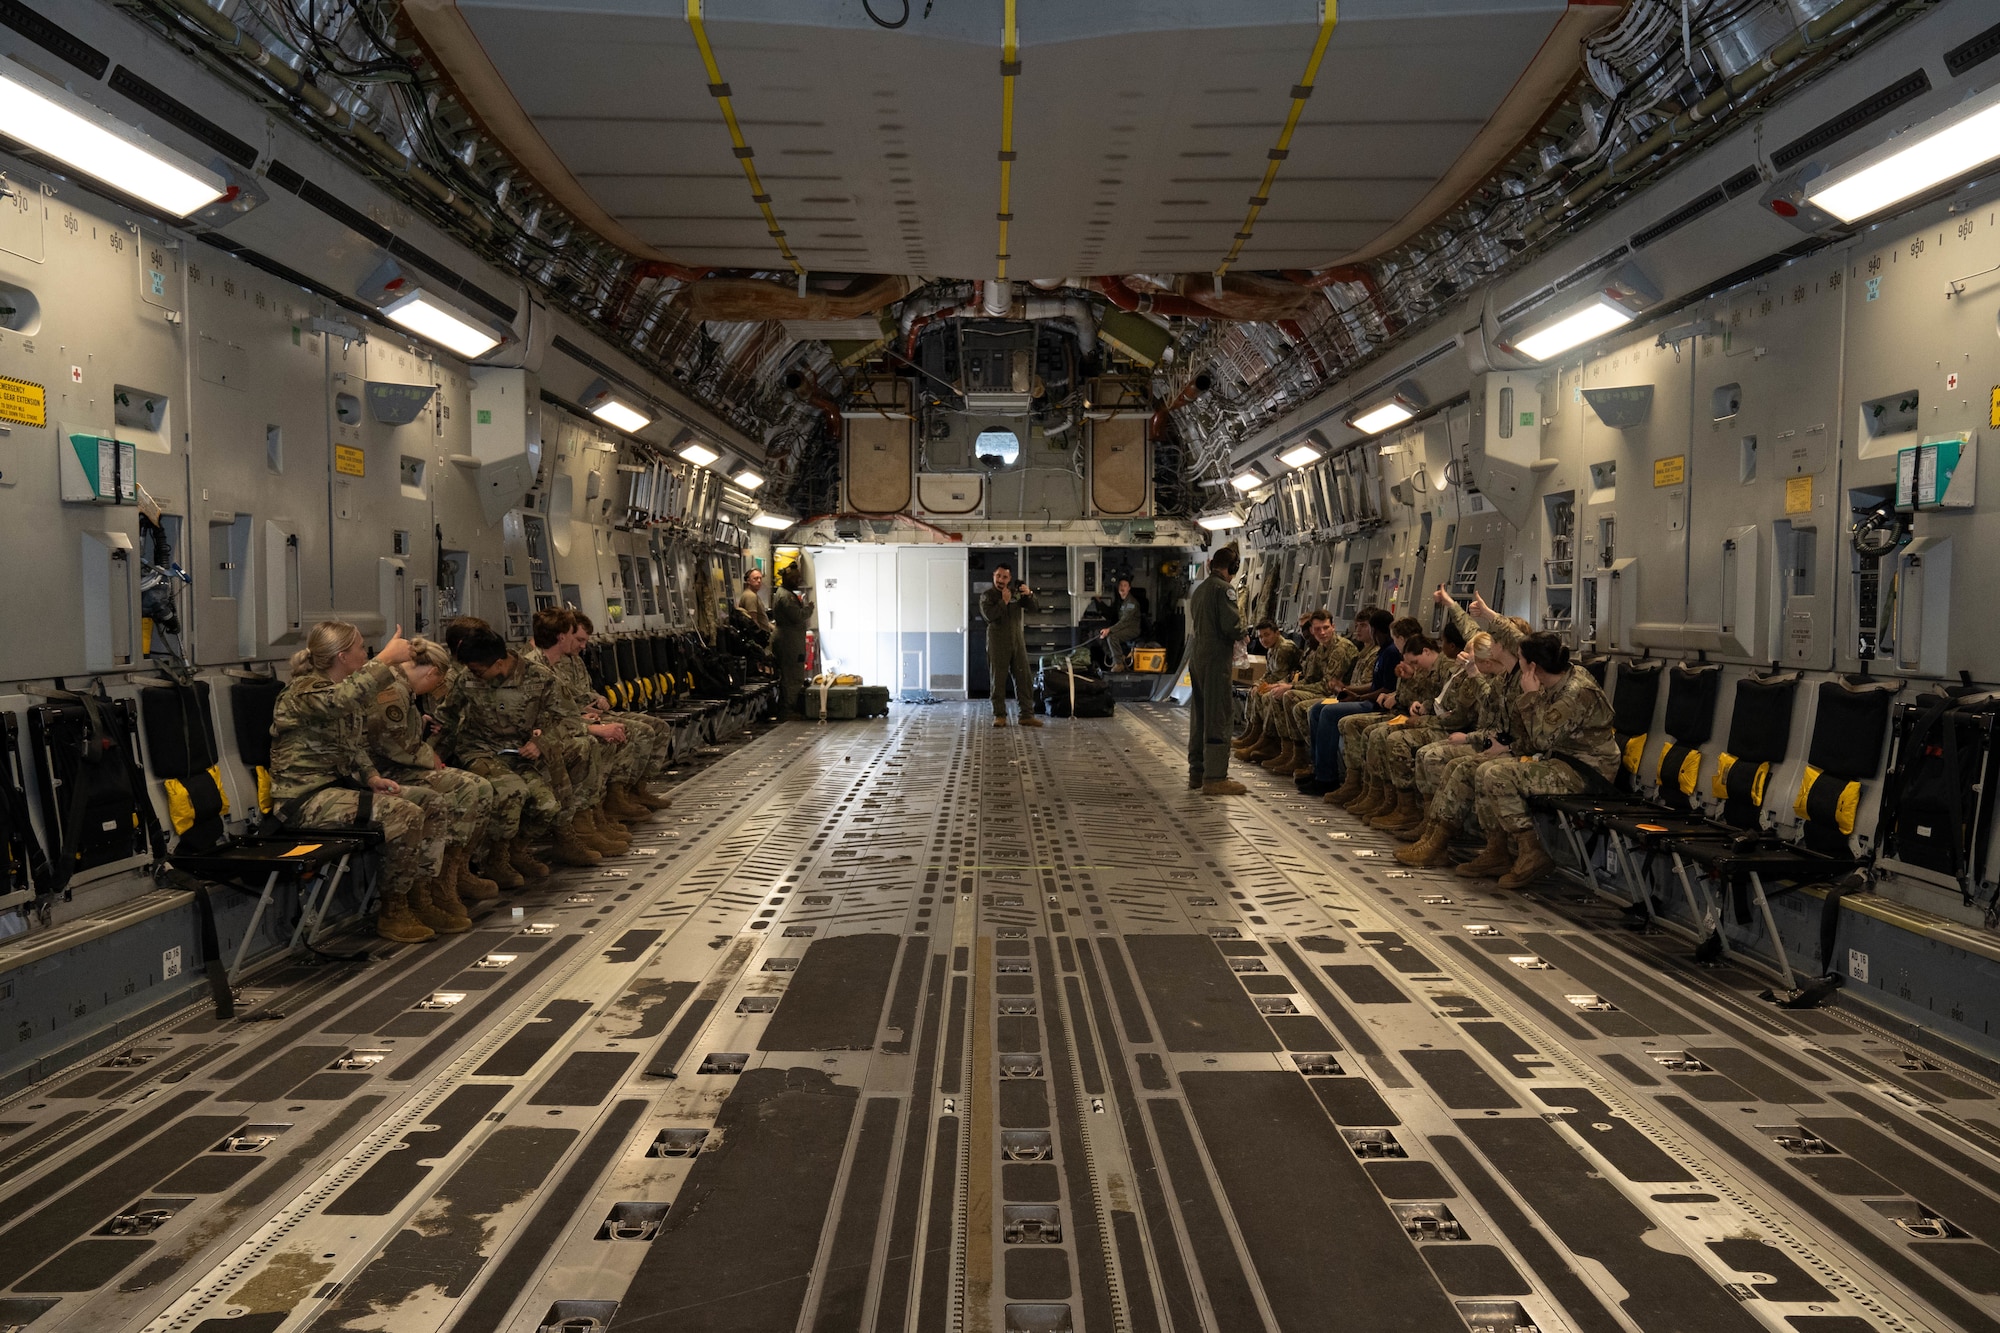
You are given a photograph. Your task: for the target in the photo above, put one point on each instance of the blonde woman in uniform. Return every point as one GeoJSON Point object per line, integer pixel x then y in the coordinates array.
{"type": "Point", "coordinates": [320, 765]}
{"type": "Point", "coordinates": [463, 801]}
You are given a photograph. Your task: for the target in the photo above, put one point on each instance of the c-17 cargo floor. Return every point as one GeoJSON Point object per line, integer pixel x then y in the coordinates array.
{"type": "Point", "coordinates": [920, 1024]}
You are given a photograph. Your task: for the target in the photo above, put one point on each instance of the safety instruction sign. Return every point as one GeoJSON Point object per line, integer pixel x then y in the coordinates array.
{"type": "Point", "coordinates": [349, 461]}
{"type": "Point", "coordinates": [23, 403]}
{"type": "Point", "coordinates": [1670, 471]}
{"type": "Point", "coordinates": [1798, 495]}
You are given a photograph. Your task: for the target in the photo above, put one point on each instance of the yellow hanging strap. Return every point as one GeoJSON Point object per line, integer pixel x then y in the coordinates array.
{"type": "Point", "coordinates": [1284, 146]}
{"type": "Point", "coordinates": [744, 153]}
{"type": "Point", "coordinates": [1010, 69]}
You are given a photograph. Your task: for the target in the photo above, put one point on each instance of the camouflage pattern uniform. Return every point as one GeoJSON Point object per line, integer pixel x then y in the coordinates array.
{"type": "Point", "coordinates": [651, 738]}
{"type": "Point", "coordinates": [1347, 662]}
{"type": "Point", "coordinates": [1456, 708]}
{"type": "Point", "coordinates": [1451, 768]}
{"type": "Point", "coordinates": [317, 741]}
{"type": "Point", "coordinates": [1280, 663]}
{"type": "Point", "coordinates": [587, 759]}
{"type": "Point", "coordinates": [1571, 718]}
{"type": "Point", "coordinates": [457, 802]}
{"type": "Point", "coordinates": [1359, 731]}
{"type": "Point", "coordinates": [628, 764]}
{"type": "Point", "coordinates": [1386, 734]}
{"type": "Point", "coordinates": [1322, 666]}
{"type": "Point", "coordinates": [484, 717]}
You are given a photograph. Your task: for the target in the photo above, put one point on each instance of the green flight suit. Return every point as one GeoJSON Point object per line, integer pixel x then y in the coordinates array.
{"type": "Point", "coordinates": [1215, 629]}
{"type": "Point", "coordinates": [1007, 647]}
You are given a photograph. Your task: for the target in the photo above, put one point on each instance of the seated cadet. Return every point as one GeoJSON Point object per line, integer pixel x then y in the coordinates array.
{"type": "Point", "coordinates": [1281, 663]}
{"type": "Point", "coordinates": [1359, 698]}
{"type": "Point", "coordinates": [321, 771]}
{"type": "Point", "coordinates": [651, 733]}
{"type": "Point", "coordinates": [1322, 671]}
{"type": "Point", "coordinates": [1447, 768]}
{"type": "Point", "coordinates": [505, 856]}
{"type": "Point", "coordinates": [499, 707]}
{"type": "Point", "coordinates": [462, 801]}
{"type": "Point", "coordinates": [586, 747]}
{"type": "Point", "coordinates": [1123, 632]}
{"type": "Point", "coordinates": [1420, 677]}
{"type": "Point", "coordinates": [1354, 727]}
{"type": "Point", "coordinates": [1565, 745]}
{"type": "Point", "coordinates": [1392, 759]}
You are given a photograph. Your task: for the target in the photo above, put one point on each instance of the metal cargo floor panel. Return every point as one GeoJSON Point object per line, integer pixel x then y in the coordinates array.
{"type": "Point", "coordinates": [916, 1024]}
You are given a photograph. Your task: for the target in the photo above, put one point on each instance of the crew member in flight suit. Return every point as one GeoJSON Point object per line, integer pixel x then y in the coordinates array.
{"type": "Point", "coordinates": [1215, 628]}
{"type": "Point", "coordinates": [1124, 632]}
{"type": "Point", "coordinates": [791, 612]}
{"type": "Point", "coordinates": [1005, 607]}
{"type": "Point", "coordinates": [461, 800]}
{"type": "Point", "coordinates": [320, 765]}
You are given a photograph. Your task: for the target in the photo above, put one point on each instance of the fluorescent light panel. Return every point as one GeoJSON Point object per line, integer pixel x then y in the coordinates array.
{"type": "Point", "coordinates": [1301, 454]}
{"type": "Point", "coordinates": [1380, 418]}
{"type": "Point", "coordinates": [1572, 328]}
{"type": "Point", "coordinates": [1221, 522]}
{"type": "Point", "coordinates": [623, 417]}
{"type": "Point", "coordinates": [1247, 481]}
{"type": "Point", "coordinates": [428, 318]}
{"type": "Point", "coordinates": [748, 480]}
{"type": "Point", "coordinates": [699, 454]}
{"type": "Point", "coordinates": [1964, 140]}
{"type": "Point", "coordinates": [70, 130]}
{"type": "Point", "coordinates": [764, 518]}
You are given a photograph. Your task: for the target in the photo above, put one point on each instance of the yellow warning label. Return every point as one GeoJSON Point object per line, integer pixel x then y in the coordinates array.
{"type": "Point", "coordinates": [27, 404]}
{"type": "Point", "coordinates": [1798, 495]}
{"type": "Point", "coordinates": [349, 460]}
{"type": "Point", "coordinates": [1993, 409]}
{"type": "Point", "coordinates": [1670, 471]}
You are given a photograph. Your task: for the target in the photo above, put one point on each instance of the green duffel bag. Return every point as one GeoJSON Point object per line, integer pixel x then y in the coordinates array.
{"type": "Point", "coordinates": [874, 700]}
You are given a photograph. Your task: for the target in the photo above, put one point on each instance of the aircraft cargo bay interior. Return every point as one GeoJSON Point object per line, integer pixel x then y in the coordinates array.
{"type": "Point", "coordinates": [999, 666]}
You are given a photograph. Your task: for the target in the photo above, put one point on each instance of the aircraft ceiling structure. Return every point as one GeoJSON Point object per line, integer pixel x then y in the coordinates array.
{"type": "Point", "coordinates": [1141, 130]}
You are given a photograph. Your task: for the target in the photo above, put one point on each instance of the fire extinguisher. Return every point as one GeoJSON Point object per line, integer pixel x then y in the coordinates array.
{"type": "Point", "coordinates": [812, 651]}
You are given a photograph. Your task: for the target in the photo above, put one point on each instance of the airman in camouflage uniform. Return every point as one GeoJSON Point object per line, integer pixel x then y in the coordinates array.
{"type": "Point", "coordinates": [320, 766]}
{"type": "Point", "coordinates": [1566, 742]}
{"type": "Point", "coordinates": [459, 801]}
{"type": "Point", "coordinates": [1393, 760]}
{"type": "Point", "coordinates": [499, 709]}
{"type": "Point", "coordinates": [1446, 769]}
{"type": "Point", "coordinates": [609, 764]}
{"type": "Point", "coordinates": [1281, 663]}
{"type": "Point", "coordinates": [651, 735]}
{"type": "Point", "coordinates": [1420, 677]}
{"type": "Point", "coordinates": [1321, 666]}
{"type": "Point", "coordinates": [1335, 664]}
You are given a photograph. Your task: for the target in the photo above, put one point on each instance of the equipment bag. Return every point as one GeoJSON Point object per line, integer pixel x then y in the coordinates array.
{"type": "Point", "coordinates": [1939, 797]}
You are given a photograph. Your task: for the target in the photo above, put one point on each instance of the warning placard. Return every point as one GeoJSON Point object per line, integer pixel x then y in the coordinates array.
{"type": "Point", "coordinates": [1798, 495]}
{"type": "Point", "coordinates": [23, 403]}
{"type": "Point", "coordinates": [349, 461]}
{"type": "Point", "coordinates": [1670, 471]}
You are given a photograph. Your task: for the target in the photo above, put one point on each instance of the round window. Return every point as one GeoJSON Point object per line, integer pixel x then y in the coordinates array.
{"type": "Point", "coordinates": [996, 448]}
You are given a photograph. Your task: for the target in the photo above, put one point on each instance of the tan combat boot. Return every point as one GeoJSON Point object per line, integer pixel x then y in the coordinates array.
{"type": "Point", "coordinates": [1497, 857]}
{"type": "Point", "coordinates": [1030, 720]}
{"type": "Point", "coordinates": [1267, 748]}
{"type": "Point", "coordinates": [395, 921]}
{"type": "Point", "coordinates": [1404, 815]}
{"type": "Point", "coordinates": [1429, 848]}
{"type": "Point", "coordinates": [605, 826]}
{"type": "Point", "coordinates": [1370, 802]}
{"type": "Point", "coordinates": [431, 912]}
{"type": "Point", "coordinates": [637, 794]}
{"type": "Point", "coordinates": [1252, 737]}
{"type": "Point", "coordinates": [589, 829]}
{"type": "Point", "coordinates": [1284, 761]}
{"type": "Point", "coordinates": [620, 802]}
{"type": "Point", "coordinates": [465, 885]}
{"type": "Point", "coordinates": [497, 858]}
{"type": "Point", "coordinates": [571, 850]}
{"type": "Point", "coordinates": [444, 892]}
{"type": "Point", "coordinates": [1223, 787]}
{"type": "Point", "coordinates": [1349, 790]}
{"type": "Point", "coordinates": [522, 857]}
{"type": "Point", "coordinates": [1530, 861]}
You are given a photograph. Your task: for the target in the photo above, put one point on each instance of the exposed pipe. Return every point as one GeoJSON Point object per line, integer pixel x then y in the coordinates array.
{"type": "Point", "coordinates": [999, 297]}
{"type": "Point", "coordinates": [1122, 296]}
{"type": "Point", "coordinates": [1081, 315]}
{"type": "Point", "coordinates": [741, 300]}
{"type": "Point", "coordinates": [1681, 126]}
{"type": "Point", "coordinates": [289, 79]}
{"type": "Point", "coordinates": [1349, 273]}
{"type": "Point", "coordinates": [808, 391]}
{"type": "Point", "coordinates": [1193, 389]}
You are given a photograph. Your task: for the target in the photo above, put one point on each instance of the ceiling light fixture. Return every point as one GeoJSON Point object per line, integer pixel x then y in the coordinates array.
{"type": "Point", "coordinates": [1927, 155]}
{"type": "Point", "coordinates": [434, 321]}
{"type": "Point", "coordinates": [1405, 403]}
{"type": "Point", "coordinates": [772, 519]}
{"type": "Point", "coordinates": [1222, 520]}
{"type": "Point", "coordinates": [1250, 478]}
{"type": "Point", "coordinates": [698, 453]}
{"type": "Point", "coordinates": [1612, 306]}
{"type": "Point", "coordinates": [606, 406]}
{"type": "Point", "coordinates": [56, 122]}
{"type": "Point", "coordinates": [1301, 454]}
{"type": "Point", "coordinates": [748, 480]}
